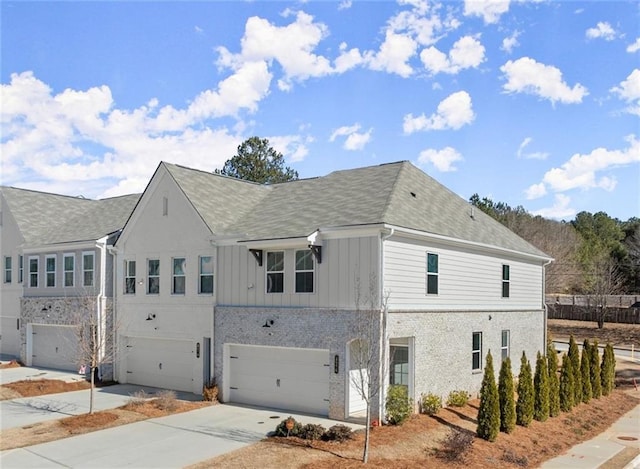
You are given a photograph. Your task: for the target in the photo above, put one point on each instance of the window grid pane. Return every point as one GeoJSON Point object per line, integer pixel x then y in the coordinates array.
{"type": "Point", "coordinates": [130, 277]}
{"type": "Point", "coordinates": [206, 274]}
{"type": "Point", "coordinates": [87, 270]}
{"type": "Point", "coordinates": [33, 272]}
{"type": "Point", "coordinates": [7, 269]}
{"type": "Point", "coordinates": [505, 344]}
{"type": "Point", "coordinates": [275, 272]}
{"type": "Point", "coordinates": [69, 270]}
{"type": "Point", "coordinates": [304, 271]}
{"type": "Point", "coordinates": [153, 277]}
{"type": "Point", "coordinates": [476, 351]}
{"type": "Point", "coordinates": [178, 283]}
{"type": "Point", "coordinates": [50, 267]}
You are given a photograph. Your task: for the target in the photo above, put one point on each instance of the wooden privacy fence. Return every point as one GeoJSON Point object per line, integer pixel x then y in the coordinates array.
{"type": "Point", "coordinates": [583, 313]}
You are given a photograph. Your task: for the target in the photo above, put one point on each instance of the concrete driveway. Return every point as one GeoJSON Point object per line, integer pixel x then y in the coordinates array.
{"type": "Point", "coordinates": [11, 375]}
{"type": "Point", "coordinates": [173, 441]}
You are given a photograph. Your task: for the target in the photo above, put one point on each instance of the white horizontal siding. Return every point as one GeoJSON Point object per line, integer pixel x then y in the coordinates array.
{"type": "Point", "coordinates": [467, 279]}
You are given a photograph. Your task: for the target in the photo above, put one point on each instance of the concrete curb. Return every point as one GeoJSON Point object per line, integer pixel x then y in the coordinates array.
{"type": "Point", "coordinates": [634, 464]}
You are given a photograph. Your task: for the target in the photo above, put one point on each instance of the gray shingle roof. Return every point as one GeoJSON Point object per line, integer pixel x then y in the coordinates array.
{"type": "Point", "coordinates": [45, 218]}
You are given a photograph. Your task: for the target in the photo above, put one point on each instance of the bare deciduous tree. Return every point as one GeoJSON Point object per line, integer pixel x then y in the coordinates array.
{"type": "Point", "coordinates": [605, 280]}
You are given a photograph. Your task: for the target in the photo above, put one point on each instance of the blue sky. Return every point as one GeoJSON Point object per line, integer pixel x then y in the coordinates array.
{"type": "Point", "coordinates": [533, 103]}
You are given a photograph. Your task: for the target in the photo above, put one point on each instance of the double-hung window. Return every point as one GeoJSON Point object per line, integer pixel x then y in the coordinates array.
{"type": "Point", "coordinates": [304, 271]}
{"type": "Point", "coordinates": [504, 346]}
{"type": "Point", "coordinates": [275, 272]}
{"type": "Point", "coordinates": [178, 276]}
{"type": "Point", "coordinates": [7, 269]}
{"type": "Point", "coordinates": [206, 275]}
{"type": "Point", "coordinates": [20, 268]}
{"type": "Point", "coordinates": [432, 273]}
{"type": "Point", "coordinates": [50, 269]}
{"type": "Point", "coordinates": [399, 365]}
{"type": "Point", "coordinates": [505, 281]}
{"type": "Point", "coordinates": [476, 351]}
{"type": "Point", "coordinates": [153, 277]}
{"type": "Point", "coordinates": [33, 271]}
{"type": "Point", "coordinates": [129, 277]}
{"type": "Point", "coordinates": [88, 268]}
{"type": "Point", "coordinates": [69, 268]}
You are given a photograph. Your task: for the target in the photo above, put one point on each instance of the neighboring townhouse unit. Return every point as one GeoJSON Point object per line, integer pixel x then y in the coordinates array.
{"type": "Point", "coordinates": [55, 253]}
{"type": "Point", "coordinates": [274, 291]}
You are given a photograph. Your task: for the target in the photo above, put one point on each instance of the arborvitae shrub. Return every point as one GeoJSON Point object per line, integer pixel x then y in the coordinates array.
{"type": "Point", "coordinates": [585, 371]}
{"type": "Point", "coordinates": [541, 390]}
{"type": "Point", "coordinates": [399, 406]}
{"type": "Point", "coordinates": [554, 381]}
{"type": "Point", "coordinates": [608, 370]}
{"type": "Point", "coordinates": [507, 400]}
{"type": "Point", "coordinates": [594, 362]}
{"type": "Point", "coordinates": [574, 356]}
{"type": "Point", "coordinates": [524, 405]}
{"type": "Point", "coordinates": [566, 384]}
{"type": "Point", "coordinates": [489, 410]}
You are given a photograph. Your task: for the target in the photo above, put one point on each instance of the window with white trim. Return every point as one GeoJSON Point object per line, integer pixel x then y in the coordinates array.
{"type": "Point", "coordinates": [69, 269]}
{"type": "Point", "coordinates": [50, 271]}
{"type": "Point", "coordinates": [7, 269]}
{"type": "Point", "coordinates": [504, 346]}
{"type": "Point", "coordinates": [505, 281]}
{"type": "Point", "coordinates": [88, 268]}
{"type": "Point", "coordinates": [20, 268]}
{"type": "Point", "coordinates": [304, 271]}
{"type": "Point", "coordinates": [399, 373]}
{"type": "Point", "coordinates": [153, 276]}
{"type": "Point", "coordinates": [432, 273]}
{"type": "Point", "coordinates": [177, 276]}
{"type": "Point", "coordinates": [206, 275]}
{"type": "Point", "coordinates": [476, 351]}
{"type": "Point", "coordinates": [275, 272]}
{"type": "Point", "coordinates": [33, 271]}
{"type": "Point", "coordinates": [129, 277]}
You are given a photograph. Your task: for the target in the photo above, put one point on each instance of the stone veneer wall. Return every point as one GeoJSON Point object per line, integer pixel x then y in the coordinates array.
{"type": "Point", "coordinates": [293, 327]}
{"type": "Point", "coordinates": [442, 345]}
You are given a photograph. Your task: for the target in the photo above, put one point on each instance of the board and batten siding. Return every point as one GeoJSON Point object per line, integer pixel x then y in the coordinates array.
{"type": "Point", "coordinates": [468, 279]}
{"type": "Point", "coordinates": [345, 263]}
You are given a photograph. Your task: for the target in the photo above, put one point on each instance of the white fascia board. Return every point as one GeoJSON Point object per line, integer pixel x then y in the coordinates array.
{"type": "Point", "coordinates": [423, 235]}
{"type": "Point", "coordinates": [59, 247]}
{"type": "Point", "coordinates": [281, 243]}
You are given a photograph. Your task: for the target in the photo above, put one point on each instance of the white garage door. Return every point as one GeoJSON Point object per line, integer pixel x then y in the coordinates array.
{"type": "Point", "coordinates": [160, 363]}
{"type": "Point", "coordinates": [9, 336]}
{"type": "Point", "coordinates": [285, 378]}
{"type": "Point", "coordinates": [54, 347]}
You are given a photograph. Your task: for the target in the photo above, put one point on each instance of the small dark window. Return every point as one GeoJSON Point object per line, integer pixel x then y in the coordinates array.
{"type": "Point", "coordinates": [275, 272]}
{"type": "Point", "coordinates": [432, 274]}
{"type": "Point", "coordinates": [476, 351]}
{"type": "Point", "coordinates": [505, 281]}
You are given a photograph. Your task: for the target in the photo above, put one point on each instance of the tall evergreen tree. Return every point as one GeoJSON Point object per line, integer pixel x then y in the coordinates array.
{"type": "Point", "coordinates": [524, 404]}
{"type": "Point", "coordinates": [594, 362]}
{"type": "Point", "coordinates": [585, 369]}
{"type": "Point", "coordinates": [507, 400]}
{"type": "Point", "coordinates": [489, 411]}
{"type": "Point", "coordinates": [541, 390]}
{"type": "Point", "coordinates": [574, 356]}
{"type": "Point", "coordinates": [554, 381]}
{"type": "Point", "coordinates": [608, 370]}
{"type": "Point", "coordinates": [566, 384]}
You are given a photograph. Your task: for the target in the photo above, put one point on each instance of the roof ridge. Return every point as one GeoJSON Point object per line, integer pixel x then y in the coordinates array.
{"type": "Point", "coordinates": [392, 192]}
{"type": "Point", "coordinates": [34, 191]}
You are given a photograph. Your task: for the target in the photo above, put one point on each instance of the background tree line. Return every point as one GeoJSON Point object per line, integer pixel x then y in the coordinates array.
{"type": "Point", "coordinates": [594, 253]}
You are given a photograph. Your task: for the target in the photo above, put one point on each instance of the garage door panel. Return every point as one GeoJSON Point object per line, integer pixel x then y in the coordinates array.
{"type": "Point", "coordinates": [54, 347]}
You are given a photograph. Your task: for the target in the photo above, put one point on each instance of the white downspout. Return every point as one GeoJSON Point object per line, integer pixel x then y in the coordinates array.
{"type": "Point", "coordinates": [101, 299]}
{"type": "Point", "coordinates": [544, 303]}
{"type": "Point", "coordinates": [114, 279]}
{"type": "Point", "coordinates": [385, 333]}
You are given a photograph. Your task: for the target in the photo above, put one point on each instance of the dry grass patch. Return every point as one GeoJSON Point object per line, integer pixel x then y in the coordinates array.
{"type": "Point", "coordinates": [618, 335]}
{"type": "Point", "coordinates": [41, 387]}
{"type": "Point", "coordinates": [11, 364]}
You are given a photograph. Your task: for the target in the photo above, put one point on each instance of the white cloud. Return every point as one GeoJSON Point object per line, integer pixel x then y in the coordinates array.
{"type": "Point", "coordinates": [347, 59]}
{"type": "Point", "coordinates": [443, 160]}
{"type": "Point", "coordinates": [355, 140]}
{"type": "Point", "coordinates": [629, 91]}
{"type": "Point", "coordinates": [394, 55]}
{"type": "Point", "coordinates": [559, 210]}
{"type": "Point", "coordinates": [530, 155]}
{"type": "Point", "coordinates": [525, 75]}
{"type": "Point", "coordinates": [602, 30]}
{"type": "Point", "coordinates": [536, 191]}
{"type": "Point", "coordinates": [511, 42]}
{"type": "Point", "coordinates": [453, 112]}
{"type": "Point", "coordinates": [489, 10]}
{"type": "Point", "coordinates": [635, 47]}
{"type": "Point", "coordinates": [467, 52]}
{"type": "Point", "coordinates": [344, 5]}
{"type": "Point", "coordinates": [292, 147]}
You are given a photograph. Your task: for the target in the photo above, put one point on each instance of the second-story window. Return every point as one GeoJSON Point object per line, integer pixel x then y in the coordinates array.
{"type": "Point", "coordinates": [178, 278]}
{"type": "Point", "coordinates": [304, 271]}
{"type": "Point", "coordinates": [20, 268]}
{"type": "Point", "coordinates": [88, 268]}
{"type": "Point", "coordinates": [69, 269]}
{"type": "Point", "coordinates": [275, 272]}
{"type": "Point", "coordinates": [505, 281]}
{"type": "Point", "coordinates": [432, 273]}
{"type": "Point", "coordinates": [33, 272]}
{"type": "Point", "coordinates": [7, 269]}
{"type": "Point", "coordinates": [129, 277]}
{"type": "Point", "coordinates": [153, 277]}
{"type": "Point", "coordinates": [50, 268]}
{"type": "Point", "coordinates": [206, 275]}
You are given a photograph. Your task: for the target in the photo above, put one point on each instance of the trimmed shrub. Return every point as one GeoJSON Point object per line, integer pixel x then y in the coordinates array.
{"type": "Point", "coordinates": [574, 356]}
{"type": "Point", "coordinates": [585, 371]}
{"type": "Point", "coordinates": [608, 370]}
{"type": "Point", "coordinates": [338, 432]}
{"type": "Point", "coordinates": [489, 410]}
{"type": "Point", "coordinates": [430, 404]}
{"type": "Point", "coordinates": [398, 405]}
{"type": "Point", "coordinates": [554, 381]}
{"type": "Point", "coordinates": [458, 398]}
{"type": "Point", "coordinates": [506, 397]}
{"type": "Point", "coordinates": [282, 430]}
{"type": "Point", "coordinates": [312, 431]}
{"type": "Point", "coordinates": [594, 362]}
{"type": "Point", "coordinates": [524, 404]}
{"type": "Point", "coordinates": [566, 384]}
{"type": "Point", "coordinates": [541, 390]}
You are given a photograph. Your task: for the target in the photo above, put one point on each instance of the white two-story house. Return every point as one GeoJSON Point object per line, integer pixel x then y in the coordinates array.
{"type": "Point", "coordinates": [272, 290]}
{"type": "Point", "coordinates": [55, 255]}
